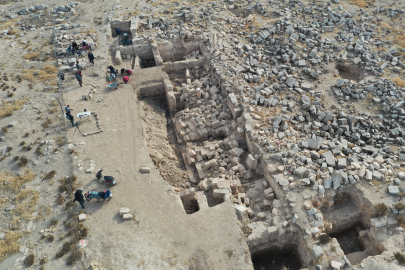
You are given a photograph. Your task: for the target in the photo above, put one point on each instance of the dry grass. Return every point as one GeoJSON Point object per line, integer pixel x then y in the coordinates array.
{"type": "Point", "coordinates": [381, 209]}
{"type": "Point", "coordinates": [10, 181]}
{"type": "Point", "coordinates": [399, 206]}
{"type": "Point", "coordinates": [400, 258]}
{"type": "Point", "coordinates": [49, 175]}
{"type": "Point", "coordinates": [359, 3]}
{"type": "Point", "coordinates": [23, 161]}
{"type": "Point", "coordinates": [9, 244]}
{"type": "Point", "coordinates": [400, 82]}
{"type": "Point", "coordinates": [401, 221]}
{"type": "Point", "coordinates": [29, 260]}
{"type": "Point", "coordinates": [50, 69]}
{"type": "Point", "coordinates": [31, 56]}
{"type": "Point", "coordinates": [8, 107]}
{"type": "Point", "coordinates": [60, 141]}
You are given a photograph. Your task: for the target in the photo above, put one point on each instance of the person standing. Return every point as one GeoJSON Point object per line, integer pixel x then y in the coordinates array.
{"type": "Point", "coordinates": [69, 115]}
{"type": "Point", "coordinates": [79, 197]}
{"type": "Point", "coordinates": [91, 57]}
{"type": "Point", "coordinates": [79, 77]}
{"type": "Point", "coordinates": [77, 65]}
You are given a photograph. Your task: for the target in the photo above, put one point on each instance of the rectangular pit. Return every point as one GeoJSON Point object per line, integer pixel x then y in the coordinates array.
{"type": "Point", "coordinates": [273, 259]}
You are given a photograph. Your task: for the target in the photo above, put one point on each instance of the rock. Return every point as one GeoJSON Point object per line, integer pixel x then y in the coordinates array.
{"type": "Point", "coordinates": [317, 251]}
{"type": "Point", "coordinates": [329, 158]}
{"type": "Point", "coordinates": [377, 175]}
{"type": "Point", "coordinates": [82, 217]}
{"type": "Point", "coordinates": [335, 265]}
{"type": "Point", "coordinates": [327, 183]}
{"type": "Point", "coordinates": [281, 180]}
{"type": "Point", "coordinates": [394, 190]}
{"type": "Point", "coordinates": [9, 208]}
{"type": "Point", "coordinates": [124, 210]}
{"type": "Point", "coordinates": [144, 170]}
{"type": "Point", "coordinates": [401, 175]}
{"type": "Point", "coordinates": [127, 216]}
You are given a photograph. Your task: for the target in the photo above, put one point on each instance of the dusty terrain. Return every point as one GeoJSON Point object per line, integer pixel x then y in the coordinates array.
{"type": "Point", "coordinates": [262, 158]}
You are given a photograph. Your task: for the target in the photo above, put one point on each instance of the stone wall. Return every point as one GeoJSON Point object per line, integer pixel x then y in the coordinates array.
{"type": "Point", "coordinates": [179, 66]}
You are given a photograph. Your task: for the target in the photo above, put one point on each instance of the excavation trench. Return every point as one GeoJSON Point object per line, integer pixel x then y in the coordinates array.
{"type": "Point", "coordinates": [277, 259]}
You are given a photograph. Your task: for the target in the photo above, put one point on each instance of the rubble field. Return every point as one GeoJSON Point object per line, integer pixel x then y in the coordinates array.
{"type": "Point", "coordinates": [265, 135]}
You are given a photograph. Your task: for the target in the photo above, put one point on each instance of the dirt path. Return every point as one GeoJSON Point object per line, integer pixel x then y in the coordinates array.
{"type": "Point", "coordinates": [162, 236]}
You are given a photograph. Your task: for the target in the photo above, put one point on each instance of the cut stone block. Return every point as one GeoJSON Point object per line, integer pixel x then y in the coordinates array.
{"type": "Point", "coordinates": [221, 193]}
{"type": "Point", "coordinates": [202, 202]}
{"type": "Point", "coordinates": [144, 170]}
{"type": "Point", "coordinates": [317, 251]}
{"type": "Point", "coordinates": [251, 162]}
{"type": "Point", "coordinates": [127, 216]}
{"type": "Point", "coordinates": [124, 210]}
{"type": "Point", "coordinates": [82, 217]}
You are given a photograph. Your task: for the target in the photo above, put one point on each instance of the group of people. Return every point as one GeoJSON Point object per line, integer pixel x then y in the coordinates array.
{"type": "Point", "coordinates": [125, 73]}
{"type": "Point", "coordinates": [74, 47]}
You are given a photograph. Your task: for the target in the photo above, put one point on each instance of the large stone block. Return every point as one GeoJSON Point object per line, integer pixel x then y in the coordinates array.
{"type": "Point", "coordinates": [251, 162]}
{"type": "Point", "coordinates": [82, 217]}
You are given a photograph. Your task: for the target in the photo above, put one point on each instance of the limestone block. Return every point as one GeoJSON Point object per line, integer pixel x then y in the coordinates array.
{"type": "Point", "coordinates": [394, 190]}
{"type": "Point", "coordinates": [247, 202]}
{"type": "Point", "coordinates": [127, 216]}
{"type": "Point", "coordinates": [251, 162]}
{"type": "Point", "coordinates": [202, 202]}
{"type": "Point", "coordinates": [281, 180]}
{"type": "Point", "coordinates": [221, 193]}
{"type": "Point", "coordinates": [144, 170]}
{"type": "Point", "coordinates": [317, 251]}
{"type": "Point", "coordinates": [240, 209]}
{"type": "Point", "coordinates": [118, 57]}
{"type": "Point", "coordinates": [124, 210]}
{"type": "Point", "coordinates": [379, 222]}
{"type": "Point", "coordinates": [82, 217]}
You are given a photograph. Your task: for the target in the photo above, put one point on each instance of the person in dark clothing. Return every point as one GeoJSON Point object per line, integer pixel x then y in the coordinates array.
{"type": "Point", "coordinates": [118, 31]}
{"type": "Point", "coordinates": [74, 45]}
{"type": "Point", "coordinates": [79, 77]}
{"type": "Point", "coordinates": [79, 197]}
{"type": "Point", "coordinates": [122, 71]}
{"type": "Point", "coordinates": [91, 57]}
{"type": "Point", "coordinates": [69, 115]}
{"type": "Point", "coordinates": [61, 76]}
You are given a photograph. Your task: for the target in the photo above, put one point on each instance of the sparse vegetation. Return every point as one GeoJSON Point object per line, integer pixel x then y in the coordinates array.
{"type": "Point", "coordinates": [31, 56]}
{"type": "Point", "coordinates": [9, 244]}
{"type": "Point", "coordinates": [60, 141]}
{"type": "Point", "coordinates": [359, 3]}
{"type": "Point", "coordinates": [49, 175]}
{"type": "Point", "coordinates": [67, 246]}
{"type": "Point", "coordinates": [54, 222]}
{"type": "Point", "coordinates": [4, 129]}
{"type": "Point", "coordinates": [73, 257]}
{"type": "Point", "coordinates": [23, 161]}
{"type": "Point", "coordinates": [400, 258]}
{"type": "Point", "coordinates": [50, 238]}
{"type": "Point", "coordinates": [401, 221]}
{"type": "Point", "coordinates": [381, 209]}
{"type": "Point", "coordinates": [399, 206]}
{"type": "Point", "coordinates": [324, 238]}
{"type": "Point", "coordinates": [8, 107]}
{"type": "Point", "coordinates": [39, 152]}
{"type": "Point", "coordinates": [16, 158]}
{"type": "Point", "coordinates": [83, 231]}
{"type": "Point", "coordinates": [29, 260]}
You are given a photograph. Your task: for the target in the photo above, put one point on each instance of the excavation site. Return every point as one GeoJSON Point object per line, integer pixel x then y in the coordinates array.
{"type": "Point", "coordinates": [211, 135]}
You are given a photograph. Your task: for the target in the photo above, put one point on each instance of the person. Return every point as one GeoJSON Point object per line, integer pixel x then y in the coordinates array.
{"type": "Point", "coordinates": [118, 31]}
{"type": "Point", "coordinates": [128, 72]}
{"type": "Point", "coordinates": [79, 197]}
{"type": "Point", "coordinates": [74, 45]}
{"type": "Point", "coordinates": [122, 71]}
{"type": "Point", "coordinates": [79, 77]}
{"type": "Point", "coordinates": [69, 115]}
{"type": "Point", "coordinates": [61, 76]}
{"type": "Point", "coordinates": [112, 77]}
{"type": "Point", "coordinates": [77, 65]}
{"type": "Point", "coordinates": [125, 79]}
{"type": "Point", "coordinates": [68, 110]}
{"type": "Point", "coordinates": [111, 68]}
{"type": "Point", "coordinates": [84, 44]}
{"type": "Point", "coordinates": [91, 57]}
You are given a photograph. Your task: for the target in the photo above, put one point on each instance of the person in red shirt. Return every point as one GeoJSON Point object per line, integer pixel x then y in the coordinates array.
{"type": "Point", "coordinates": [125, 79]}
{"type": "Point", "coordinates": [128, 72]}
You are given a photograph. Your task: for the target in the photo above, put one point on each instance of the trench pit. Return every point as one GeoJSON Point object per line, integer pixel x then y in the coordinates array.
{"type": "Point", "coordinates": [276, 259]}
{"type": "Point", "coordinates": [349, 239]}
{"type": "Point", "coordinates": [352, 72]}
